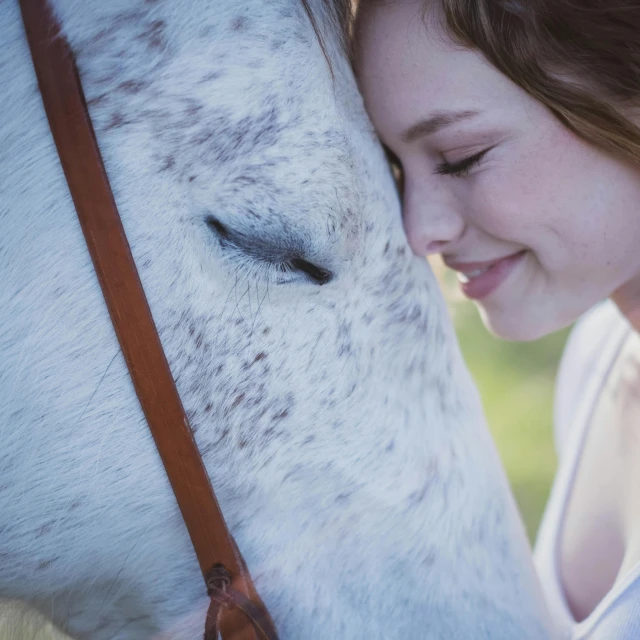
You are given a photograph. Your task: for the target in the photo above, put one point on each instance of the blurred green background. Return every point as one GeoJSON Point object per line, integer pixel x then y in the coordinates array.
{"type": "Point", "coordinates": [516, 382]}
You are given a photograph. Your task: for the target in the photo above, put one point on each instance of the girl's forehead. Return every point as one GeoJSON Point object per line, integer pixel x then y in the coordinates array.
{"type": "Point", "coordinates": [405, 61]}
{"type": "Point", "coordinates": [396, 43]}
{"type": "Point", "coordinates": [409, 67]}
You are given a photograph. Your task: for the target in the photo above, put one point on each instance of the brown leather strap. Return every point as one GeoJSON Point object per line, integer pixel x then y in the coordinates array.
{"type": "Point", "coordinates": [89, 186]}
{"type": "Point", "coordinates": [222, 594]}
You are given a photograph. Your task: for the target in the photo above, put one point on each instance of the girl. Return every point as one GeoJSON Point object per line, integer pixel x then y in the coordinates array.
{"type": "Point", "coordinates": [514, 126]}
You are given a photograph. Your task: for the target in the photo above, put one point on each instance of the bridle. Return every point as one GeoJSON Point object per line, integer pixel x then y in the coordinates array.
{"type": "Point", "coordinates": [236, 611]}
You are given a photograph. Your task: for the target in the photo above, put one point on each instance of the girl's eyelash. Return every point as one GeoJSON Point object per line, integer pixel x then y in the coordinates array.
{"type": "Point", "coordinates": [462, 167]}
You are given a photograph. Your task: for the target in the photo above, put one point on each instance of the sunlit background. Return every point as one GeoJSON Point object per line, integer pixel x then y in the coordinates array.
{"type": "Point", "coordinates": [516, 382]}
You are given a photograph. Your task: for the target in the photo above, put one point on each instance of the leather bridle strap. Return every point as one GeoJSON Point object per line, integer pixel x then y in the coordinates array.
{"type": "Point", "coordinates": [236, 611]}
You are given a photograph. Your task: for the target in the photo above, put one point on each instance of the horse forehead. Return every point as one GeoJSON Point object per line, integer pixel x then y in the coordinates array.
{"type": "Point", "coordinates": [238, 98]}
{"type": "Point", "coordinates": [273, 117]}
{"type": "Point", "coordinates": [255, 49]}
{"type": "Point", "coordinates": [270, 75]}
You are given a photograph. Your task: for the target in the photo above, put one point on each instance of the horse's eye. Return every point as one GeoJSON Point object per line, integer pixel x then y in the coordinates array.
{"type": "Point", "coordinates": [215, 225]}
{"type": "Point", "coordinates": [270, 252]}
{"type": "Point", "coordinates": [315, 273]}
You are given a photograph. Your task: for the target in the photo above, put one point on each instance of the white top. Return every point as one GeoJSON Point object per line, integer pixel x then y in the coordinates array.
{"type": "Point", "coordinates": [588, 357]}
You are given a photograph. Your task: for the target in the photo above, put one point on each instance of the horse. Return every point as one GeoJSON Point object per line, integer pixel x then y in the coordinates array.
{"type": "Point", "coordinates": [312, 351]}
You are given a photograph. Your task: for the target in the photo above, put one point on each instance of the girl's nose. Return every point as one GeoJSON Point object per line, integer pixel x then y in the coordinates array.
{"type": "Point", "coordinates": [431, 220]}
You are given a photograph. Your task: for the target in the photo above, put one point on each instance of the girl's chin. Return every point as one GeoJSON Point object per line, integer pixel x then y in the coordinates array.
{"type": "Point", "coordinates": [517, 326]}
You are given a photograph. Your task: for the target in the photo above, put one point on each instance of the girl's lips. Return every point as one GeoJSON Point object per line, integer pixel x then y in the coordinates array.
{"type": "Point", "coordinates": [491, 276]}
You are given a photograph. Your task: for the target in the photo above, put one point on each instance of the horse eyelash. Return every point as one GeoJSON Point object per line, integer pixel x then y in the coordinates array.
{"type": "Point", "coordinates": [462, 167]}
{"type": "Point", "coordinates": [296, 265]}
{"type": "Point", "coordinates": [271, 271]}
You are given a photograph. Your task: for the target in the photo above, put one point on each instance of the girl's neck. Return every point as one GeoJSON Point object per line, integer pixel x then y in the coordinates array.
{"type": "Point", "coordinates": [627, 299]}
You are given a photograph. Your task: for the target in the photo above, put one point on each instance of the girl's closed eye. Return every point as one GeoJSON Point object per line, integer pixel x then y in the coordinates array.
{"type": "Point", "coordinates": [462, 167]}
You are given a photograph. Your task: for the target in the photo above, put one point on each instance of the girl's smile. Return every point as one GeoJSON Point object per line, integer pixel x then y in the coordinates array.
{"type": "Point", "coordinates": [479, 279]}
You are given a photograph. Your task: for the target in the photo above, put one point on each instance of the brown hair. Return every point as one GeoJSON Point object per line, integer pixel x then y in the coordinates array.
{"type": "Point", "coordinates": [339, 13]}
{"type": "Point", "coordinates": [580, 58]}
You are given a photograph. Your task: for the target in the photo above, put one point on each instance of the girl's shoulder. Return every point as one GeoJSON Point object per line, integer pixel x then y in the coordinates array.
{"type": "Point", "coordinates": [585, 356]}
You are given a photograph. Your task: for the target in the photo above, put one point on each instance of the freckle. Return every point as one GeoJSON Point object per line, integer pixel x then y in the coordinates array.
{"type": "Point", "coordinates": [203, 137]}
{"type": "Point", "coordinates": [206, 450]}
{"type": "Point", "coordinates": [131, 86]}
{"type": "Point", "coordinates": [261, 356]}
{"type": "Point", "coordinates": [169, 163]}
{"type": "Point", "coordinates": [430, 559]}
{"type": "Point", "coordinates": [213, 75]}
{"type": "Point", "coordinates": [239, 23]}
{"type": "Point", "coordinates": [281, 415]}
{"type": "Point", "coordinates": [223, 435]}
{"type": "Point", "coordinates": [208, 407]}
{"type": "Point", "coordinates": [256, 402]}
{"type": "Point", "coordinates": [97, 100]}
{"type": "Point", "coordinates": [239, 398]}
{"type": "Point", "coordinates": [117, 120]}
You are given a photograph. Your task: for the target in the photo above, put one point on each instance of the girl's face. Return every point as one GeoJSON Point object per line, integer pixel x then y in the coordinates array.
{"type": "Point", "coordinates": [490, 176]}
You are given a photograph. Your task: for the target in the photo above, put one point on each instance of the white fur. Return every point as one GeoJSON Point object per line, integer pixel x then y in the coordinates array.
{"type": "Point", "coordinates": [338, 423]}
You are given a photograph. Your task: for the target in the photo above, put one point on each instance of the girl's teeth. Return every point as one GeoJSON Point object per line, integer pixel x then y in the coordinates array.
{"type": "Point", "coordinates": [465, 277]}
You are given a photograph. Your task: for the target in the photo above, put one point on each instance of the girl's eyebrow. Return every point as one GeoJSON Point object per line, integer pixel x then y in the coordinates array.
{"type": "Point", "coordinates": [435, 122]}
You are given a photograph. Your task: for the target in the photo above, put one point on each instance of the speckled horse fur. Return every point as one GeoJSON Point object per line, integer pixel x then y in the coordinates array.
{"type": "Point", "coordinates": [334, 414]}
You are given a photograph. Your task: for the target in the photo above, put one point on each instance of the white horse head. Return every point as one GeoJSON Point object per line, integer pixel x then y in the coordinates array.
{"type": "Point", "coordinates": [311, 349]}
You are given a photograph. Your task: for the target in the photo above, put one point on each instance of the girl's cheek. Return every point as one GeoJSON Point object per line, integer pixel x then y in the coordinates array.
{"type": "Point", "coordinates": [499, 208]}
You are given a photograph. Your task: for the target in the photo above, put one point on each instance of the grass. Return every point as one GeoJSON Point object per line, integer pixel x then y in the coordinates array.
{"type": "Point", "coordinates": [516, 382]}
